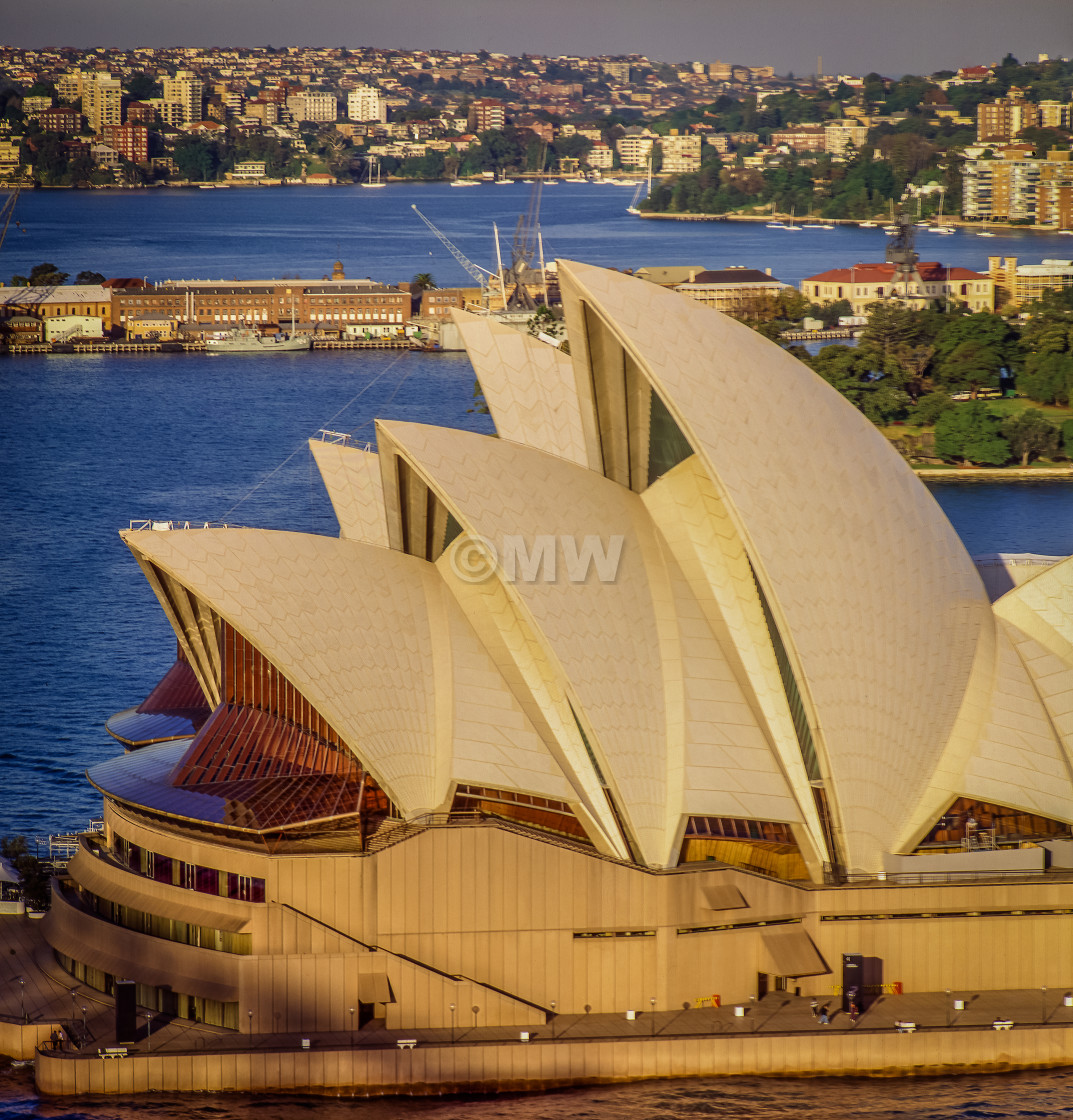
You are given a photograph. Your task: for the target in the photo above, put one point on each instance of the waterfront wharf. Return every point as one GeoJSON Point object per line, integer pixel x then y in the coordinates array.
{"type": "Point", "coordinates": [103, 346]}
{"type": "Point", "coordinates": [818, 336]}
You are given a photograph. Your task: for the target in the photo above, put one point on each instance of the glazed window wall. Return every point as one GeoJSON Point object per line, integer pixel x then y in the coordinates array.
{"type": "Point", "coordinates": [544, 813]}
{"type": "Point", "coordinates": [162, 1000]}
{"type": "Point", "coordinates": [167, 929]}
{"type": "Point", "coordinates": [205, 880]}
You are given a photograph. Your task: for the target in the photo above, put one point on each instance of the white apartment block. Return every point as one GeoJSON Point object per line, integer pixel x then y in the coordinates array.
{"type": "Point", "coordinates": [102, 101]}
{"type": "Point", "coordinates": [364, 103]}
{"type": "Point", "coordinates": [187, 90]}
{"type": "Point", "coordinates": [600, 156]}
{"type": "Point", "coordinates": [681, 154]}
{"type": "Point", "coordinates": [1055, 114]}
{"type": "Point", "coordinates": [635, 148]}
{"type": "Point", "coordinates": [312, 105]}
{"type": "Point", "coordinates": [839, 137]}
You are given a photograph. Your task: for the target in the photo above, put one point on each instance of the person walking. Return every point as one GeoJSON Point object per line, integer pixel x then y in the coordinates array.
{"type": "Point", "coordinates": [825, 1019]}
{"type": "Point", "coordinates": [814, 1006]}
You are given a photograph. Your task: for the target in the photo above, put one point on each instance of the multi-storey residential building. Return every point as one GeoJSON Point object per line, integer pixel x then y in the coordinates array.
{"type": "Point", "coordinates": [681, 154]}
{"type": "Point", "coordinates": [60, 118]}
{"type": "Point", "coordinates": [102, 101]}
{"type": "Point", "coordinates": [317, 106]}
{"type": "Point", "coordinates": [263, 110]}
{"type": "Point", "coordinates": [927, 283]}
{"type": "Point", "coordinates": [69, 85]}
{"type": "Point", "coordinates": [600, 156]}
{"type": "Point", "coordinates": [187, 90]}
{"type": "Point", "coordinates": [364, 103]}
{"type": "Point", "coordinates": [1055, 114]}
{"type": "Point", "coordinates": [1016, 284]}
{"type": "Point", "coordinates": [1006, 118]}
{"type": "Point", "coordinates": [1054, 200]}
{"type": "Point", "coordinates": [635, 146]}
{"type": "Point", "coordinates": [131, 141]}
{"type": "Point", "coordinates": [840, 136]}
{"type": "Point", "coordinates": [487, 113]}
{"type": "Point", "coordinates": [33, 107]}
{"type": "Point", "coordinates": [802, 138]}
{"type": "Point", "coordinates": [10, 156]}
{"type": "Point", "coordinates": [1019, 187]}
{"type": "Point", "coordinates": [618, 71]}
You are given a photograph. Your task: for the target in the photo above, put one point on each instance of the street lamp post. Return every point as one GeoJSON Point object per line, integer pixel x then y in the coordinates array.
{"type": "Point", "coordinates": [249, 1014]}
{"type": "Point", "coordinates": [149, 1030]}
{"type": "Point", "coordinates": [84, 1033]}
{"type": "Point", "coordinates": [1043, 1004]}
{"type": "Point", "coordinates": [22, 998]}
{"type": "Point", "coordinates": [452, 1022]}
{"type": "Point", "coordinates": [553, 1018]}
{"type": "Point", "coordinates": [947, 1006]}
{"type": "Point", "coordinates": [352, 1028]}
{"type": "Point", "coordinates": [476, 1009]}
{"type": "Point", "coordinates": [652, 1004]}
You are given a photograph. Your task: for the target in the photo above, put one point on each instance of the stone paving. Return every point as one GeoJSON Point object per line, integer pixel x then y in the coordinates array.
{"type": "Point", "coordinates": [53, 996]}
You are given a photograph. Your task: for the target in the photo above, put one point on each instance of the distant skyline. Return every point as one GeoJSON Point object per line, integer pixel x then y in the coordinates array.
{"type": "Point", "coordinates": [903, 36]}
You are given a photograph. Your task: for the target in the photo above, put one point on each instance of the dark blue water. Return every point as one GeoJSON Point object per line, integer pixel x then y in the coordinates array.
{"type": "Point", "coordinates": [286, 231]}
{"type": "Point", "coordinates": [1045, 1096]}
{"type": "Point", "coordinates": [89, 442]}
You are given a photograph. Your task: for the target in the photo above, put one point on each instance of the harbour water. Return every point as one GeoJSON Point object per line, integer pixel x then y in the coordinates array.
{"type": "Point", "coordinates": [256, 233]}
{"type": "Point", "coordinates": [89, 442]}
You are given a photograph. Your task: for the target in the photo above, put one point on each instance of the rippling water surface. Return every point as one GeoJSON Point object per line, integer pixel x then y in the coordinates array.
{"type": "Point", "coordinates": [1046, 1096]}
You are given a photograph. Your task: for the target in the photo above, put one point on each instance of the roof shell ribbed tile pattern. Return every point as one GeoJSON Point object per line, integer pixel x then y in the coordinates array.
{"type": "Point", "coordinates": [875, 596]}
{"type": "Point", "coordinates": [355, 630]}
{"type": "Point", "coordinates": [603, 634]}
{"type": "Point", "coordinates": [540, 409]}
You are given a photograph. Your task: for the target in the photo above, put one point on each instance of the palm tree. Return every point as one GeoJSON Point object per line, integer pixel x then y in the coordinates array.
{"type": "Point", "coordinates": [422, 282]}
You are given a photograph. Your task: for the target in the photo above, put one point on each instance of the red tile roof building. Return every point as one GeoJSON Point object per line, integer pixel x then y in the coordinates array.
{"type": "Point", "coordinates": [929, 282]}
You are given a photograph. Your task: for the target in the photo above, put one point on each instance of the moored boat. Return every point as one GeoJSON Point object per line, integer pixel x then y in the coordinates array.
{"type": "Point", "coordinates": [244, 340]}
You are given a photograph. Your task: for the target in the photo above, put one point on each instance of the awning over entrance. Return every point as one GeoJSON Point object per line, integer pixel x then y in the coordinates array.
{"type": "Point", "coordinates": [792, 953]}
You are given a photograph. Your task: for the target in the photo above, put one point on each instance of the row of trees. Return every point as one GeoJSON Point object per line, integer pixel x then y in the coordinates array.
{"type": "Point", "coordinates": [908, 366]}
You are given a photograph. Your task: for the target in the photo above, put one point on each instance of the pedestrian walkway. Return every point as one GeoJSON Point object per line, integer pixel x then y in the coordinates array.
{"type": "Point", "coordinates": [51, 996]}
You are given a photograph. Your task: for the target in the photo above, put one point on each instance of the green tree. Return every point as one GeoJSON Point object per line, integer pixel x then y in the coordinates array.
{"type": "Point", "coordinates": [1031, 435]}
{"type": "Point", "coordinates": [47, 275]}
{"type": "Point", "coordinates": [1047, 378]}
{"type": "Point", "coordinates": [1067, 438]}
{"type": "Point", "coordinates": [88, 277]}
{"type": "Point", "coordinates": [971, 434]}
{"type": "Point", "coordinates": [931, 406]}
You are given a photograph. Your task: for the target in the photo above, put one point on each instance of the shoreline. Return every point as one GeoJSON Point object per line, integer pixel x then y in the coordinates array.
{"type": "Point", "coordinates": [993, 474]}
{"type": "Point", "coordinates": [437, 1068]}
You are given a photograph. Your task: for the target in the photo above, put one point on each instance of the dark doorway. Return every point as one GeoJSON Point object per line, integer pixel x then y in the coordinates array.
{"type": "Point", "coordinates": [761, 985]}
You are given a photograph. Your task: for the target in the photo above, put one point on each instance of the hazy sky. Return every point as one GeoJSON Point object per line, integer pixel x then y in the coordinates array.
{"type": "Point", "coordinates": [854, 36]}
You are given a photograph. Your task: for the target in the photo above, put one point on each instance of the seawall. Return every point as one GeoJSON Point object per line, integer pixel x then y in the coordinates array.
{"type": "Point", "coordinates": [535, 1066]}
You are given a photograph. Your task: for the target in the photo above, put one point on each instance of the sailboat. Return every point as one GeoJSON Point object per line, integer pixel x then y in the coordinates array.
{"type": "Point", "coordinates": [369, 181]}
{"type": "Point", "coordinates": [939, 227]}
{"type": "Point", "coordinates": [790, 227]}
{"type": "Point", "coordinates": [774, 223]}
{"type": "Point", "coordinates": [632, 208]}
{"type": "Point", "coordinates": [981, 232]}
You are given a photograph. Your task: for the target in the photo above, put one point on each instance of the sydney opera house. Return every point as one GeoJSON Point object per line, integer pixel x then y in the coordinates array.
{"type": "Point", "coordinates": [681, 684]}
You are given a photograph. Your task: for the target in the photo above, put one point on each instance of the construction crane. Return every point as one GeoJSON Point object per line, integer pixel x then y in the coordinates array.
{"type": "Point", "coordinates": [526, 239]}
{"type": "Point", "coordinates": [481, 275]}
